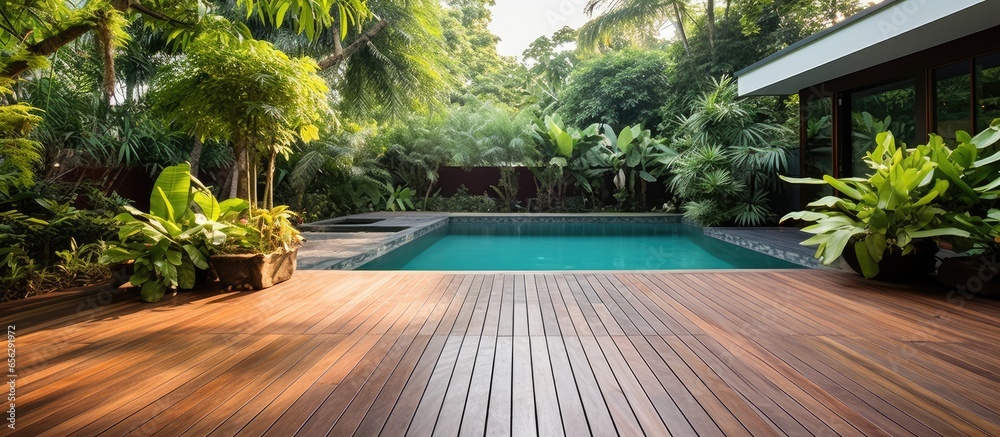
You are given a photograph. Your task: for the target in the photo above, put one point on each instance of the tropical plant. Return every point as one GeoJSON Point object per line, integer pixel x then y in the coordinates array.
{"type": "Point", "coordinates": [891, 210]}
{"type": "Point", "coordinates": [561, 147]}
{"type": "Point", "coordinates": [507, 188]}
{"type": "Point", "coordinates": [171, 241]}
{"type": "Point", "coordinates": [626, 16]}
{"type": "Point", "coordinates": [618, 89]}
{"type": "Point", "coordinates": [731, 152]}
{"type": "Point", "coordinates": [352, 178]}
{"type": "Point", "coordinates": [19, 155]}
{"type": "Point", "coordinates": [972, 167]}
{"type": "Point", "coordinates": [261, 231]}
{"type": "Point", "coordinates": [231, 87]}
{"type": "Point", "coordinates": [637, 158]}
{"type": "Point", "coordinates": [399, 198]}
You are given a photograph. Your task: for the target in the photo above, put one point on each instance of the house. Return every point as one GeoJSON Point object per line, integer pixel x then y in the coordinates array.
{"type": "Point", "coordinates": [912, 66]}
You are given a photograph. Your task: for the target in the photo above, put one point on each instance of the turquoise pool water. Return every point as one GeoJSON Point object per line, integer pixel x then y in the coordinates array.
{"type": "Point", "coordinates": [570, 246]}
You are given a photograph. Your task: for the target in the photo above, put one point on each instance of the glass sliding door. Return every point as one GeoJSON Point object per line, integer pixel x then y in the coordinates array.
{"type": "Point", "coordinates": [890, 107]}
{"type": "Point", "coordinates": [952, 100]}
{"type": "Point", "coordinates": [987, 90]}
{"type": "Point", "coordinates": [818, 151]}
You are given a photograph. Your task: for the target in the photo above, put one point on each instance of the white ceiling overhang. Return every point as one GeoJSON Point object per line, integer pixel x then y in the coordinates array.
{"type": "Point", "coordinates": [879, 34]}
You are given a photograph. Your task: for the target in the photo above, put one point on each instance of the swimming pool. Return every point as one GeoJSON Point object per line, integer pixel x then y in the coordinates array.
{"type": "Point", "coordinates": [473, 246]}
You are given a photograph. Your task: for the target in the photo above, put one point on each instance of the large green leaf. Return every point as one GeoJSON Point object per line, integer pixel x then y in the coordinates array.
{"type": "Point", "coordinates": [152, 291]}
{"type": "Point", "coordinates": [208, 204]}
{"type": "Point", "coordinates": [625, 139]}
{"type": "Point", "coordinates": [989, 136]}
{"type": "Point", "coordinates": [869, 267]}
{"type": "Point", "coordinates": [841, 185]}
{"type": "Point", "coordinates": [185, 276]}
{"type": "Point", "coordinates": [171, 193]}
{"type": "Point", "coordinates": [564, 143]}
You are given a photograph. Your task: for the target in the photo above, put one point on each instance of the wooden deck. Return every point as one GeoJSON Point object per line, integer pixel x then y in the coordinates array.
{"type": "Point", "coordinates": [366, 353]}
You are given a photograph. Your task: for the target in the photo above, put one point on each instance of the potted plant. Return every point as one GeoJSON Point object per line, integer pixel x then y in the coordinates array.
{"type": "Point", "coordinates": [168, 246]}
{"type": "Point", "coordinates": [884, 223]}
{"type": "Point", "coordinates": [976, 212]}
{"type": "Point", "coordinates": [261, 251]}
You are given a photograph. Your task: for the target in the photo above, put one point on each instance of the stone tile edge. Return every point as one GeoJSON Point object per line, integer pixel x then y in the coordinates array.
{"type": "Point", "coordinates": [764, 248]}
{"type": "Point", "coordinates": [355, 261]}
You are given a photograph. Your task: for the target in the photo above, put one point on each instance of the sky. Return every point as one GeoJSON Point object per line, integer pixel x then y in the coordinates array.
{"type": "Point", "coordinates": [519, 22]}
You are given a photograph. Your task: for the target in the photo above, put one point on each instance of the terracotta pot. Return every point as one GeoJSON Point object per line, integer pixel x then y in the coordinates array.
{"type": "Point", "coordinates": [896, 267]}
{"type": "Point", "coordinates": [977, 274]}
{"type": "Point", "coordinates": [254, 271]}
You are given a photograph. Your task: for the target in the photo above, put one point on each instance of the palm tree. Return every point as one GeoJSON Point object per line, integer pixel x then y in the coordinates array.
{"type": "Point", "coordinates": [633, 14]}
{"type": "Point", "coordinates": [389, 61]}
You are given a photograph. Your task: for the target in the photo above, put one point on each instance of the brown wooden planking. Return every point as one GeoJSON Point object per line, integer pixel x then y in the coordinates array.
{"type": "Point", "coordinates": [375, 418]}
{"type": "Point", "coordinates": [392, 328]}
{"type": "Point", "coordinates": [884, 415]}
{"type": "Point", "coordinates": [969, 397]}
{"type": "Point", "coordinates": [434, 393]}
{"type": "Point", "coordinates": [575, 420]}
{"type": "Point", "coordinates": [702, 410]}
{"type": "Point", "coordinates": [912, 405]}
{"type": "Point", "coordinates": [91, 389]}
{"type": "Point", "coordinates": [628, 357]}
{"type": "Point", "coordinates": [624, 417]}
{"type": "Point", "coordinates": [359, 387]}
{"type": "Point", "coordinates": [381, 381]}
{"type": "Point", "coordinates": [725, 406]}
{"type": "Point", "coordinates": [632, 321]}
{"type": "Point", "coordinates": [402, 412]}
{"type": "Point", "coordinates": [636, 396]}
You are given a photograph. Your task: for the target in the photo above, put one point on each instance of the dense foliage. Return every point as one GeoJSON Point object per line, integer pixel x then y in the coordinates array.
{"type": "Point", "coordinates": [348, 106]}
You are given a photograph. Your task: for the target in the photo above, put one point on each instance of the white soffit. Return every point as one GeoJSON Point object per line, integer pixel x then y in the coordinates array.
{"type": "Point", "coordinates": [880, 34]}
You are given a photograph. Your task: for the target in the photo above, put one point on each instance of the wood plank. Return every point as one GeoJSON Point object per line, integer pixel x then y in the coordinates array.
{"type": "Point", "coordinates": [370, 353]}
{"type": "Point", "coordinates": [498, 416]}
{"type": "Point", "coordinates": [546, 400]}
{"type": "Point", "coordinates": [574, 417]}
{"type": "Point", "coordinates": [449, 417]}
{"type": "Point", "coordinates": [477, 402]}
{"type": "Point", "coordinates": [433, 396]}
{"type": "Point", "coordinates": [523, 422]}
{"type": "Point", "coordinates": [643, 382]}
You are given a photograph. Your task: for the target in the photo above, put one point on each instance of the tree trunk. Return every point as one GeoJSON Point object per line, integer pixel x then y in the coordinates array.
{"type": "Point", "coordinates": [710, 21]}
{"type": "Point", "coordinates": [238, 188]}
{"type": "Point", "coordinates": [680, 27]}
{"type": "Point", "coordinates": [107, 49]}
{"type": "Point", "coordinates": [336, 58]}
{"type": "Point", "coordinates": [269, 186]}
{"type": "Point", "coordinates": [728, 4]}
{"type": "Point", "coordinates": [195, 157]}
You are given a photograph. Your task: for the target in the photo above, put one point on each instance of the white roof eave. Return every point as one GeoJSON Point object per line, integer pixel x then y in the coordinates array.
{"type": "Point", "coordinates": [885, 33]}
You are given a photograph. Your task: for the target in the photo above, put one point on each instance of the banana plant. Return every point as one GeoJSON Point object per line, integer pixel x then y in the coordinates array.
{"type": "Point", "coordinates": [172, 240]}
{"type": "Point", "coordinates": [895, 207]}
{"type": "Point", "coordinates": [637, 158]}
{"type": "Point", "coordinates": [563, 147]}
{"type": "Point", "coordinates": [399, 198]}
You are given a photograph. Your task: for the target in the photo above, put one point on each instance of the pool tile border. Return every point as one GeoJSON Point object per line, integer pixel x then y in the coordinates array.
{"type": "Point", "coordinates": [405, 237]}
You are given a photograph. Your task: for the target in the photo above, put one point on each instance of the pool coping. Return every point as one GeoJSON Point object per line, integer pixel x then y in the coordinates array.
{"type": "Point", "coordinates": [324, 254]}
